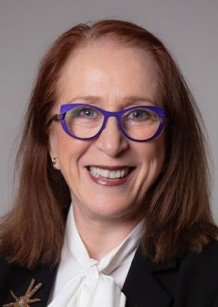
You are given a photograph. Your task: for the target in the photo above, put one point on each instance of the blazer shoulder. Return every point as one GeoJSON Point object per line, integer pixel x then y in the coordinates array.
{"type": "Point", "coordinates": [10, 272]}
{"type": "Point", "coordinates": [209, 252]}
{"type": "Point", "coordinates": [17, 278]}
{"type": "Point", "coordinates": [207, 257]}
{"type": "Point", "coordinates": [5, 266]}
{"type": "Point", "coordinates": [197, 277]}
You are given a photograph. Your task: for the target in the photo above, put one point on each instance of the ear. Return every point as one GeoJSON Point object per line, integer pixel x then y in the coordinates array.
{"type": "Point", "coordinates": [53, 152]}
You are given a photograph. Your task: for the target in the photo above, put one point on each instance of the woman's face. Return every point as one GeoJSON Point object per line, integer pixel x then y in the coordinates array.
{"type": "Point", "coordinates": [112, 78]}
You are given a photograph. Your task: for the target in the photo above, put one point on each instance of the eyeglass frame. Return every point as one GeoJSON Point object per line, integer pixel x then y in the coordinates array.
{"type": "Point", "coordinates": [117, 114]}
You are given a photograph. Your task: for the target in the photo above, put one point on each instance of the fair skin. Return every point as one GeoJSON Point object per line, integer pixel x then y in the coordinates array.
{"type": "Point", "coordinates": [112, 78]}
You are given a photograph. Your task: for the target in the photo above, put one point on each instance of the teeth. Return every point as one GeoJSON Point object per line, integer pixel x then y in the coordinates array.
{"type": "Point", "coordinates": [111, 174]}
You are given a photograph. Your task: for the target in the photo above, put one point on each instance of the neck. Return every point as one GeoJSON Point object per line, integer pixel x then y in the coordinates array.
{"type": "Point", "coordinates": [102, 236]}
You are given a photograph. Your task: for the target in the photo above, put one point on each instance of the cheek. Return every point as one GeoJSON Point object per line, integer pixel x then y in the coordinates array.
{"type": "Point", "coordinates": [153, 154]}
{"type": "Point", "coordinates": [69, 151]}
{"type": "Point", "coordinates": [61, 142]}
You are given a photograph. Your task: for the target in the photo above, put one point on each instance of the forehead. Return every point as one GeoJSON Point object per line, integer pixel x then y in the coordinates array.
{"type": "Point", "coordinates": [106, 68]}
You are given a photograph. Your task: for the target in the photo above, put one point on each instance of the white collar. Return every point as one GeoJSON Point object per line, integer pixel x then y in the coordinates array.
{"type": "Point", "coordinates": [77, 270]}
{"type": "Point", "coordinates": [74, 245]}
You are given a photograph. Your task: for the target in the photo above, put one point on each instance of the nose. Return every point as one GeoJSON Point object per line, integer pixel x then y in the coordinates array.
{"type": "Point", "coordinates": [111, 140]}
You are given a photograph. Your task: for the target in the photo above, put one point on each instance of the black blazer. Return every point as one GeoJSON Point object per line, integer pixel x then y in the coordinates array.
{"type": "Point", "coordinates": [191, 281]}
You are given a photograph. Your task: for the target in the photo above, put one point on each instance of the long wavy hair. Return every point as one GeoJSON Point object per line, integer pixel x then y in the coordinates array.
{"type": "Point", "coordinates": [178, 216]}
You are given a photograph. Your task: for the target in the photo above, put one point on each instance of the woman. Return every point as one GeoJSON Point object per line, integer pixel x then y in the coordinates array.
{"type": "Point", "coordinates": [113, 201]}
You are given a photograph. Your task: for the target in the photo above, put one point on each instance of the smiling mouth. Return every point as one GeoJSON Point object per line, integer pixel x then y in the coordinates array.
{"type": "Point", "coordinates": [111, 174]}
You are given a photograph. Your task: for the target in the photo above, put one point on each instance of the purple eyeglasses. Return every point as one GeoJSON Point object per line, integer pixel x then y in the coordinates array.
{"type": "Point", "coordinates": [86, 122]}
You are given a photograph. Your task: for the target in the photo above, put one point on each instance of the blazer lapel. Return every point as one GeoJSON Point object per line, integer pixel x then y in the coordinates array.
{"type": "Point", "coordinates": [46, 276]}
{"type": "Point", "coordinates": [142, 287]}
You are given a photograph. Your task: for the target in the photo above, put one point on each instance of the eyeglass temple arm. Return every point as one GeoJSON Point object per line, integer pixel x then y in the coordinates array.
{"type": "Point", "coordinates": [56, 118]}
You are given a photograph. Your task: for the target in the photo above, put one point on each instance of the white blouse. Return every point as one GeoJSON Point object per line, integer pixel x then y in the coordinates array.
{"type": "Point", "coordinates": [85, 282]}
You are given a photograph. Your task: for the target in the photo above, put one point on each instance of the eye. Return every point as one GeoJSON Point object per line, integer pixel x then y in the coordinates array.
{"type": "Point", "coordinates": [88, 113]}
{"type": "Point", "coordinates": [84, 112]}
{"type": "Point", "coordinates": [139, 115]}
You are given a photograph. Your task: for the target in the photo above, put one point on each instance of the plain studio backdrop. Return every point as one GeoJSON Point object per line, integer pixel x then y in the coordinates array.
{"type": "Point", "coordinates": [189, 28]}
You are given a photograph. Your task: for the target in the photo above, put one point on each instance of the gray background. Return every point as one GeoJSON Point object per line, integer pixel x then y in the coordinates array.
{"type": "Point", "coordinates": [189, 28]}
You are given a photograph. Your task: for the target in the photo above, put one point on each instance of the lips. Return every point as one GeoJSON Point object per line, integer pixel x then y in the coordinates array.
{"type": "Point", "coordinates": [110, 176]}
{"type": "Point", "coordinates": [108, 173]}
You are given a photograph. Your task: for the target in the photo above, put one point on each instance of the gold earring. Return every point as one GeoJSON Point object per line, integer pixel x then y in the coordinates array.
{"type": "Point", "coordinates": [54, 161]}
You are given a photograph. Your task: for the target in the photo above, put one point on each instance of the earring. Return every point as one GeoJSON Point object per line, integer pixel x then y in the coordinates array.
{"type": "Point", "coordinates": [54, 161]}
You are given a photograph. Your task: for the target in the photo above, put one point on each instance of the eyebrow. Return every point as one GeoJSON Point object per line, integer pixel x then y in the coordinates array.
{"type": "Point", "coordinates": [126, 101]}
{"type": "Point", "coordinates": [93, 99]}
